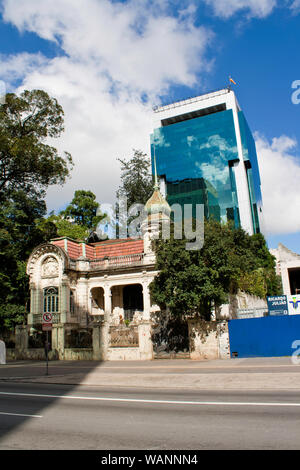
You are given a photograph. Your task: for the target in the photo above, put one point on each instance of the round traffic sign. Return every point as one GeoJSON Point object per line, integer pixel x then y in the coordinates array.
{"type": "Point", "coordinates": [47, 317]}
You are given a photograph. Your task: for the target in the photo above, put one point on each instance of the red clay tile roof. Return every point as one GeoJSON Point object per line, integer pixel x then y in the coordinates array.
{"type": "Point", "coordinates": [100, 250]}
{"type": "Point", "coordinates": [120, 247]}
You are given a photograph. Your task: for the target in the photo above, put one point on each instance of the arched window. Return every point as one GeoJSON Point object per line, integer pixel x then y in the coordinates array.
{"type": "Point", "coordinates": [51, 300]}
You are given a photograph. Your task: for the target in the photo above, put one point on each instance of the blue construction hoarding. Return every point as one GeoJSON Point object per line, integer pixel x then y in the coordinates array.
{"type": "Point", "coordinates": [270, 336]}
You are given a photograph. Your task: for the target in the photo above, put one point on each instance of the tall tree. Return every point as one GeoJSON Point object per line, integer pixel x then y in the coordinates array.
{"type": "Point", "coordinates": [84, 210]}
{"type": "Point", "coordinates": [28, 165]}
{"type": "Point", "coordinates": [78, 220]}
{"type": "Point", "coordinates": [19, 234]}
{"type": "Point", "coordinates": [27, 161]}
{"type": "Point", "coordinates": [136, 179]}
{"type": "Point", "coordinates": [191, 283]}
{"type": "Point", "coordinates": [136, 186]}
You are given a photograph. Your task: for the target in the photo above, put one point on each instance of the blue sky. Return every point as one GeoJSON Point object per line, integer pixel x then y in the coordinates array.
{"type": "Point", "coordinates": [109, 62]}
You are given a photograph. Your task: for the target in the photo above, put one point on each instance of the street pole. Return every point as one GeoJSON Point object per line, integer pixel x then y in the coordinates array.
{"type": "Point", "coordinates": [47, 352]}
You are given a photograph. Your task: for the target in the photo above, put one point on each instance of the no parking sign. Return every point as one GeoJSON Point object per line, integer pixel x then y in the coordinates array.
{"type": "Point", "coordinates": [47, 321]}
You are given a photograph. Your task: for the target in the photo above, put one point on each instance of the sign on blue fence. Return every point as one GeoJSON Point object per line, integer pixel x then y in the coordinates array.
{"type": "Point", "coordinates": [277, 305]}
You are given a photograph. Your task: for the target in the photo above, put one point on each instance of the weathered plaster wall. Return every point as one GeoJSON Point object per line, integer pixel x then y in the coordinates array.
{"type": "Point", "coordinates": [208, 340]}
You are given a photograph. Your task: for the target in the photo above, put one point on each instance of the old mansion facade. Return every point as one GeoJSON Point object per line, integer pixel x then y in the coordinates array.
{"type": "Point", "coordinates": [101, 288]}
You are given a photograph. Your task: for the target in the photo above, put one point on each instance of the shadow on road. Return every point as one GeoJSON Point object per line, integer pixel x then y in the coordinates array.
{"type": "Point", "coordinates": [20, 381]}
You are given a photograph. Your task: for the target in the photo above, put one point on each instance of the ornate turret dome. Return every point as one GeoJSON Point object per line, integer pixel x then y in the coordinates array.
{"type": "Point", "coordinates": [157, 214]}
{"type": "Point", "coordinates": [157, 204]}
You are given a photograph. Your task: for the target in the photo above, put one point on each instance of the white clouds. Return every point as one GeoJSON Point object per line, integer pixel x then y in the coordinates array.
{"type": "Point", "coordinates": [217, 170]}
{"type": "Point", "coordinates": [14, 67]}
{"type": "Point", "coordinates": [114, 54]}
{"type": "Point", "coordinates": [253, 8]}
{"type": "Point", "coordinates": [135, 46]}
{"type": "Point", "coordinates": [280, 176]}
{"type": "Point", "coordinates": [295, 6]}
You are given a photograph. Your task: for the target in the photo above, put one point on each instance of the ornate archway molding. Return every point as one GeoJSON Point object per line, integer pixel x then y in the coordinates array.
{"type": "Point", "coordinates": [43, 251]}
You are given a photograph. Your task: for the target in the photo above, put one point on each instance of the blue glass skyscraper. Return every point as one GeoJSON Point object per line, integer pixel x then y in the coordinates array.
{"type": "Point", "coordinates": [206, 154]}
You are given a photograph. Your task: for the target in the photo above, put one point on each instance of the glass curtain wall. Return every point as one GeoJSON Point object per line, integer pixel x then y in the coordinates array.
{"type": "Point", "coordinates": [196, 158]}
{"type": "Point", "coordinates": [250, 159]}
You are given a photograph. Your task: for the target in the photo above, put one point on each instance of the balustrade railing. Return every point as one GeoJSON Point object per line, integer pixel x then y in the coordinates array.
{"type": "Point", "coordinates": [117, 261]}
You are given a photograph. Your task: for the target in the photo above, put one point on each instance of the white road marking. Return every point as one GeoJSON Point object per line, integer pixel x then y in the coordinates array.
{"type": "Point", "coordinates": [19, 414]}
{"type": "Point", "coordinates": [185, 367]}
{"type": "Point", "coordinates": [163, 402]}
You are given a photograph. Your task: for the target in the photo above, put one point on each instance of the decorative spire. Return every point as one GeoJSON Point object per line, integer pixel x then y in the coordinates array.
{"type": "Point", "coordinates": [156, 186]}
{"type": "Point", "coordinates": [157, 203]}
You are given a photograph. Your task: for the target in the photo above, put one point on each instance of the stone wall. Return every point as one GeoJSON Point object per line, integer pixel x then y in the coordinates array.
{"type": "Point", "coordinates": [78, 354]}
{"type": "Point", "coordinates": [242, 300]}
{"type": "Point", "coordinates": [208, 340]}
{"type": "Point", "coordinates": [38, 354]}
{"type": "Point", "coordinates": [123, 354]}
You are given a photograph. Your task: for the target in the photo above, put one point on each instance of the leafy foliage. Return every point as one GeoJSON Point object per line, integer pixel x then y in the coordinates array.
{"type": "Point", "coordinates": [136, 179]}
{"type": "Point", "coordinates": [83, 210]}
{"type": "Point", "coordinates": [79, 218]}
{"type": "Point", "coordinates": [28, 165]}
{"type": "Point", "coordinates": [136, 186]}
{"type": "Point", "coordinates": [191, 283]}
{"type": "Point", "coordinates": [19, 234]}
{"type": "Point", "coordinates": [65, 228]}
{"type": "Point", "coordinates": [27, 162]}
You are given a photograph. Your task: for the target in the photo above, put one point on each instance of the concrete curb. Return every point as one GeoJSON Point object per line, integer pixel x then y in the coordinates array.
{"type": "Point", "coordinates": [212, 381]}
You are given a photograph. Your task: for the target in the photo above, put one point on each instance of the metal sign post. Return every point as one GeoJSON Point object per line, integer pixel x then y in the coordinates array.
{"type": "Point", "coordinates": [47, 326]}
{"type": "Point", "coordinates": [47, 344]}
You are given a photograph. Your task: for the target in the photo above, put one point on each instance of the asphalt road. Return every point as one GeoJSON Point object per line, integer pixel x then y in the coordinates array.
{"type": "Point", "coordinates": [56, 417]}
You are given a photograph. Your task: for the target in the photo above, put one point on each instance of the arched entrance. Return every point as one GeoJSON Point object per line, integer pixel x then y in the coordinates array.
{"type": "Point", "coordinates": [97, 301]}
{"type": "Point", "coordinates": [132, 300]}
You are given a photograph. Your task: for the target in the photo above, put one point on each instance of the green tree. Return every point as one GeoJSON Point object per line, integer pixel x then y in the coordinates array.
{"type": "Point", "coordinates": [136, 179]}
{"type": "Point", "coordinates": [192, 283]}
{"type": "Point", "coordinates": [77, 221]}
{"type": "Point", "coordinates": [84, 210]}
{"type": "Point", "coordinates": [28, 165]}
{"type": "Point", "coordinates": [18, 236]}
{"type": "Point", "coordinates": [64, 227]}
{"type": "Point", "coordinates": [136, 186]}
{"type": "Point", "coordinates": [27, 162]}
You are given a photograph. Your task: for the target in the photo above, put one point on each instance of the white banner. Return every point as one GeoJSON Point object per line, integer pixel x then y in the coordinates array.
{"type": "Point", "coordinates": [293, 304]}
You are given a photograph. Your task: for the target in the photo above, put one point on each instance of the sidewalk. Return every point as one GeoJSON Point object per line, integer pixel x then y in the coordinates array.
{"type": "Point", "coordinates": [231, 374]}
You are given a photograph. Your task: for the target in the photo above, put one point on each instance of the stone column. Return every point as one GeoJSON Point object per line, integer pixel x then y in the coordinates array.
{"type": "Point", "coordinates": [21, 338]}
{"type": "Point", "coordinates": [145, 341]}
{"type": "Point", "coordinates": [107, 303]}
{"type": "Point", "coordinates": [224, 344]}
{"type": "Point", "coordinates": [58, 340]}
{"type": "Point", "coordinates": [38, 304]}
{"type": "Point", "coordinates": [2, 353]}
{"type": "Point", "coordinates": [36, 307]}
{"type": "Point", "coordinates": [33, 293]}
{"type": "Point", "coordinates": [64, 300]}
{"type": "Point", "coordinates": [100, 341]}
{"type": "Point", "coordinates": [101, 331]}
{"type": "Point", "coordinates": [146, 301]}
{"type": "Point", "coordinates": [82, 301]}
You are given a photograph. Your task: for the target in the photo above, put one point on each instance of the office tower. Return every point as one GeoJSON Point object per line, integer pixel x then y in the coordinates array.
{"type": "Point", "coordinates": [206, 154]}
